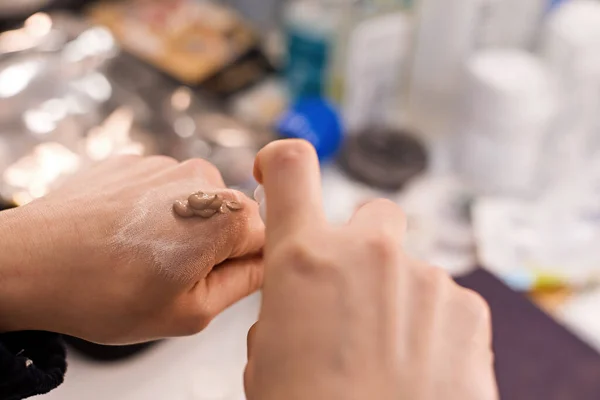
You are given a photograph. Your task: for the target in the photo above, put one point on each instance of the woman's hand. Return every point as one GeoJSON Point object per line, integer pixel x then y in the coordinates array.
{"type": "Point", "coordinates": [346, 315]}
{"type": "Point", "coordinates": [105, 258]}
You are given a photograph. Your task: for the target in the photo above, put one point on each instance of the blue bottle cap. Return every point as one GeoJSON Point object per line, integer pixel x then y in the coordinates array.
{"type": "Point", "coordinates": [316, 121]}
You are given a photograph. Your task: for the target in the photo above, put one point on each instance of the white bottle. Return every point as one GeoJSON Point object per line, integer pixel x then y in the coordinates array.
{"type": "Point", "coordinates": [312, 28]}
{"type": "Point", "coordinates": [506, 109]}
{"type": "Point", "coordinates": [447, 33]}
{"type": "Point", "coordinates": [571, 47]}
{"type": "Point", "coordinates": [515, 23]}
{"type": "Point", "coordinates": [376, 68]}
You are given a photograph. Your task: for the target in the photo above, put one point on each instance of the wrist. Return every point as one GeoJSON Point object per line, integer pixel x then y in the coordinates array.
{"type": "Point", "coordinates": [20, 252]}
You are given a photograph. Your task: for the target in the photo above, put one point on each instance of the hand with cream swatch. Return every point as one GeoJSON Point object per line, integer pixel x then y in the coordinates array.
{"type": "Point", "coordinates": [346, 314]}
{"type": "Point", "coordinates": [106, 258]}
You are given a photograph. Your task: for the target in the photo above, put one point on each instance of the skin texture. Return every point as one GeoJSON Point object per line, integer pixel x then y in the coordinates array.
{"type": "Point", "coordinates": [346, 315]}
{"type": "Point", "coordinates": [105, 258]}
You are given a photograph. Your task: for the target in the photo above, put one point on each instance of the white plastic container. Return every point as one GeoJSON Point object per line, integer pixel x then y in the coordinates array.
{"type": "Point", "coordinates": [506, 88]}
{"type": "Point", "coordinates": [571, 47]}
{"type": "Point", "coordinates": [506, 110]}
{"type": "Point", "coordinates": [515, 23]}
{"type": "Point", "coordinates": [376, 68]}
{"type": "Point", "coordinates": [447, 33]}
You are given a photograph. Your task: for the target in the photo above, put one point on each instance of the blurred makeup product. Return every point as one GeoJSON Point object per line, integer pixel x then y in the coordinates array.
{"type": "Point", "coordinates": [556, 3]}
{"type": "Point", "coordinates": [311, 28]}
{"type": "Point", "coordinates": [260, 106]}
{"type": "Point", "coordinates": [383, 158]}
{"type": "Point", "coordinates": [447, 33]}
{"type": "Point", "coordinates": [327, 38]}
{"type": "Point", "coordinates": [198, 43]}
{"type": "Point", "coordinates": [376, 71]}
{"type": "Point", "coordinates": [571, 48]}
{"type": "Point", "coordinates": [515, 23]}
{"type": "Point", "coordinates": [506, 110]}
{"type": "Point", "coordinates": [317, 121]}
{"type": "Point", "coordinates": [555, 235]}
{"type": "Point", "coordinates": [378, 151]}
{"type": "Point", "coordinates": [265, 15]}
{"type": "Point", "coordinates": [368, 30]}
{"type": "Point", "coordinates": [398, 4]}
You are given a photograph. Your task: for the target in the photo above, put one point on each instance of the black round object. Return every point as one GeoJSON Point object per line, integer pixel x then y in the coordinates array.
{"type": "Point", "coordinates": [106, 353]}
{"type": "Point", "coordinates": [383, 158]}
{"type": "Point", "coordinates": [4, 205]}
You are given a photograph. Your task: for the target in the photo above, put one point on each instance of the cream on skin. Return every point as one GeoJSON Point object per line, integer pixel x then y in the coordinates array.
{"type": "Point", "coordinates": [204, 205]}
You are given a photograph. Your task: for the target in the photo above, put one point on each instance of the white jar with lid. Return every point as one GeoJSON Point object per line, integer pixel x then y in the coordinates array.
{"type": "Point", "coordinates": [505, 112]}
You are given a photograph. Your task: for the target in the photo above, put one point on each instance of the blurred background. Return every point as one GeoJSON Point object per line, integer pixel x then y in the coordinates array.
{"type": "Point", "coordinates": [480, 117]}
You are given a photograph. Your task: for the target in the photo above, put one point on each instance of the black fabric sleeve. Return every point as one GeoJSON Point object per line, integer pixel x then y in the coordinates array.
{"type": "Point", "coordinates": [31, 363]}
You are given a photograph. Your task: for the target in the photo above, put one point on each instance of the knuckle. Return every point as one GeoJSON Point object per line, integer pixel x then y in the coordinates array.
{"type": "Point", "coordinates": [125, 159]}
{"type": "Point", "coordinates": [385, 204]}
{"type": "Point", "coordinates": [195, 322]}
{"type": "Point", "coordinates": [383, 246]}
{"type": "Point", "coordinates": [192, 314]}
{"type": "Point", "coordinates": [300, 256]}
{"type": "Point", "coordinates": [439, 276]}
{"type": "Point", "coordinates": [476, 304]}
{"type": "Point", "coordinates": [199, 166]}
{"type": "Point", "coordinates": [244, 218]}
{"type": "Point", "coordinates": [436, 281]}
{"type": "Point", "coordinates": [161, 160]}
{"type": "Point", "coordinates": [297, 251]}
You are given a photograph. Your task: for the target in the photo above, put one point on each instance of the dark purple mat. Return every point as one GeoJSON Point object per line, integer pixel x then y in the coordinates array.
{"type": "Point", "coordinates": [536, 358]}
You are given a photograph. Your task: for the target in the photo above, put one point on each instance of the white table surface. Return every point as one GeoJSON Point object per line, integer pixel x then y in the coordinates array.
{"type": "Point", "coordinates": [208, 366]}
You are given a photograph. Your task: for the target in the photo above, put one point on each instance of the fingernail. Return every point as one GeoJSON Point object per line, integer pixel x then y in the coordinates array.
{"type": "Point", "coordinates": [261, 198]}
{"type": "Point", "coordinates": [262, 209]}
{"type": "Point", "coordinates": [259, 194]}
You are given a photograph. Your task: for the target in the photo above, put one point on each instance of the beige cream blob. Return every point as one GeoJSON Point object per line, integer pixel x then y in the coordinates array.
{"type": "Point", "coordinates": [204, 205]}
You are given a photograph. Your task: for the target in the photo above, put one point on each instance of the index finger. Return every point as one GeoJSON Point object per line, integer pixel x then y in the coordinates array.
{"type": "Point", "coordinates": [290, 173]}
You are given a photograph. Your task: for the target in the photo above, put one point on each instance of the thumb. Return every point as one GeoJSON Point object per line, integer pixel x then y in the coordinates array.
{"type": "Point", "coordinates": [230, 282]}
